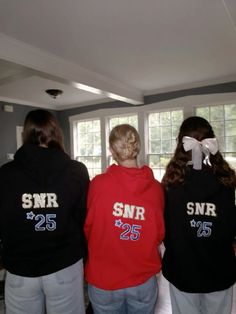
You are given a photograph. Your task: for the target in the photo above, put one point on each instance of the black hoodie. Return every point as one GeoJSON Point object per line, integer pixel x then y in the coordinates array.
{"type": "Point", "coordinates": [42, 210]}
{"type": "Point", "coordinates": [200, 218]}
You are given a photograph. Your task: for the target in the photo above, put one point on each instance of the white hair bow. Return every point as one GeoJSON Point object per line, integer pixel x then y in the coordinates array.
{"type": "Point", "coordinates": [207, 146]}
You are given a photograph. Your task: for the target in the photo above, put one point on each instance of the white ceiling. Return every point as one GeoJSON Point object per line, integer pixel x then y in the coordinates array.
{"type": "Point", "coordinates": [123, 49]}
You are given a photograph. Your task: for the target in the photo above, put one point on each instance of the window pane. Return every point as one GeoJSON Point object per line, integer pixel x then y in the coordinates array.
{"type": "Point", "coordinates": [128, 119]}
{"type": "Point", "coordinates": [230, 112]}
{"type": "Point", "coordinates": [96, 126]}
{"type": "Point", "coordinates": [218, 128]}
{"type": "Point", "coordinates": [203, 112]}
{"type": "Point", "coordinates": [231, 159]}
{"type": "Point", "coordinates": [230, 129]}
{"type": "Point", "coordinates": [93, 164]}
{"type": "Point", "coordinates": [113, 122]}
{"type": "Point", "coordinates": [166, 147]}
{"type": "Point", "coordinates": [170, 122]}
{"type": "Point", "coordinates": [216, 113]}
{"type": "Point", "coordinates": [155, 147]}
{"type": "Point", "coordinates": [154, 134]}
{"type": "Point", "coordinates": [175, 131]}
{"type": "Point", "coordinates": [87, 144]}
{"type": "Point", "coordinates": [163, 128]}
{"type": "Point", "coordinates": [223, 121]}
{"type": "Point", "coordinates": [230, 144]}
{"type": "Point", "coordinates": [154, 161]}
{"type": "Point", "coordinates": [176, 116]}
{"type": "Point", "coordinates": [173, 146]}
{"type": "Point", "coordinates": [158, 164]}
{"type": "Point", "coordinates": [133, 120]}
{"type": "Point", "coordinates": [153, 119]}
{"type": "Point", "coordinates": [165, 118]}
{"type": "Point", "coordinates": [221, 142]}
{"type": "Point", "coordinates": [166, 132]}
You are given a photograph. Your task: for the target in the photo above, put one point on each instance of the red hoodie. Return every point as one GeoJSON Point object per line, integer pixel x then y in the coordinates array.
{"type": "Point", "coordinates": [124, 227]}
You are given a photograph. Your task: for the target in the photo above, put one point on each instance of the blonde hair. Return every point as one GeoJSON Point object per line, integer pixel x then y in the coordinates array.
{"type": "Point", "coordinates": [124, 142]}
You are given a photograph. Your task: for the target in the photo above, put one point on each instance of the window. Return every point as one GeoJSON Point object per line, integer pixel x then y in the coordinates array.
{"type": "Point", "coordinates": [121, 119]}
{"type": "Point", "coordinates": [163, 129]}
{"type": "Point", "coordinates": [223, 121]}
{"type": "Point", "coordinates": [87, 144]}
{"type": "Point", "coordinates": [158, 125]}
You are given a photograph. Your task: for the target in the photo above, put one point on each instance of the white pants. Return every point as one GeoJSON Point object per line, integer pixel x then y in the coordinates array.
{"type": "Point", "coordinates": [219, 302]}
{"type": "Point", "coordinates": [57, 293]}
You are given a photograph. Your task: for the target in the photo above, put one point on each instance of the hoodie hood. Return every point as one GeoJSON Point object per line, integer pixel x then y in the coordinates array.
{"type": "Point", "coordinates": [201, 182]}
{"type": "Point", "coordinates": [135, 180]}
{"type": "Point", "coordinates": [43, 165]}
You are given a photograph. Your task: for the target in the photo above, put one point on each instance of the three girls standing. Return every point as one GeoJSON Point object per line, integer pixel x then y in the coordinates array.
{"type": "Point", "coordinates": [41, 225]}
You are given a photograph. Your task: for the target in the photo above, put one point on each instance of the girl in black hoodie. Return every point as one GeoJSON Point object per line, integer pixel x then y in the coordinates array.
{"type": "Point", "coordinates": [200, 217]}
{"type": "Point", "coordinates": [42, 210]}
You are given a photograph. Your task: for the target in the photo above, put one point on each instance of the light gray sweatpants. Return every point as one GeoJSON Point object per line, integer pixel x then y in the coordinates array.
{"type": "Point", "coordinates": [219, 302]}
{"type": "Point", "coordinates": [57, 293]}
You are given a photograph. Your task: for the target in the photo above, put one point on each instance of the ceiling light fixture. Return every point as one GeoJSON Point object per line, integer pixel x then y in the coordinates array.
{"type": "Point", "coordinates": [54, 93]}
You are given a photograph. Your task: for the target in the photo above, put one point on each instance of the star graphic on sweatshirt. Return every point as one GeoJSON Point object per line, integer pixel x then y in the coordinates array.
{"type": "Point", "coordinates": [193, 223]}
{"type": "Point", "coordinates": [30, 215]}
{"type": "Point", "coordinates": [118, 223]}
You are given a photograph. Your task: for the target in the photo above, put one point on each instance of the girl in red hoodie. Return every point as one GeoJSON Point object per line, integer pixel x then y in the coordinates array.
{"type": "Point", "coordinates": [124, 227]}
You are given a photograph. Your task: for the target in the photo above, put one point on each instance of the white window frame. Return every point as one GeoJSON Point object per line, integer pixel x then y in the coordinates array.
{"type": "Point", "coordinates": [75, 132]}
{"type": "Point", "coordinates": [104, 116]}
{"type": "Point", "coordinates": [147, 131]}
{"type": "Point", "coordinates": [188, 104]}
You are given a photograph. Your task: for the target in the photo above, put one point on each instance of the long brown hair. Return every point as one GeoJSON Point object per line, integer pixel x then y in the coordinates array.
{"type": "Point", "coordinates": [198, 128]}
{"type": "Point", "coordinates": [42, 128]}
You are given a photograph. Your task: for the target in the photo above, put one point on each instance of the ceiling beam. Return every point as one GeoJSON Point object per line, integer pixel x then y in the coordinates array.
{"type": "Point", "coordinates": [21, 53]}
